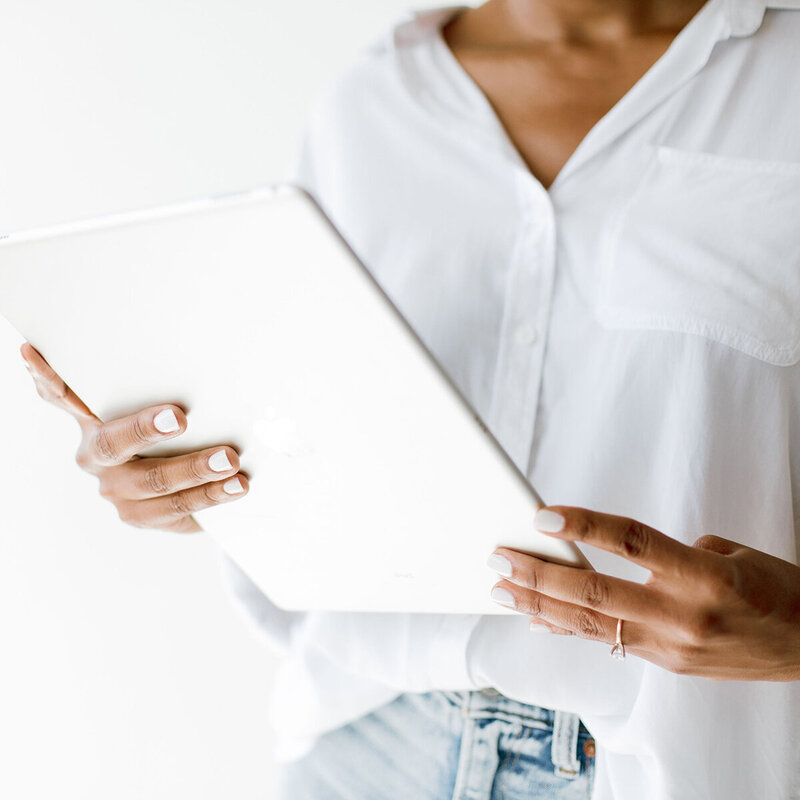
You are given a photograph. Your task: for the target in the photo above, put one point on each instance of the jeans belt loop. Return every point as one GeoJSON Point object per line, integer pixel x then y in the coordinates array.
{"type": "Point", "coordinates": [565, 745]}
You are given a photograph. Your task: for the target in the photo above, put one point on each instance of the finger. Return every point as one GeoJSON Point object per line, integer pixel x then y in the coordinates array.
{"type": "Point", "coordinates": [584, 622]}
{"type": "Point", "coordinates": [51, 386]}
{"type": "Point", "coordinates": [625, 537]}
{"type": "Point", "coordinates": [153, 477]}
{"type": "Point", "coordinates": [610, 596]}
{"type": "Point", "coordinates": [160, 512]}
{"type": "Point", "coordinates": [117, 441]}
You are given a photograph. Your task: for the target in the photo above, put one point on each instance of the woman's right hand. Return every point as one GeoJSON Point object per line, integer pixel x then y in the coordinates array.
{"type": "Point", "coordinates": [147, 492]}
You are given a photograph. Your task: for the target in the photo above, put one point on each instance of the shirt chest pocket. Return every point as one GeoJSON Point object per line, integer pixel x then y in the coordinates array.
{"type": "Point", "coordinates": [710, 246]}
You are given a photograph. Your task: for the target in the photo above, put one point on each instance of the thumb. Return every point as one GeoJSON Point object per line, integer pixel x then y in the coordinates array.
{"type": "Point", "coordinates": [51, 386]}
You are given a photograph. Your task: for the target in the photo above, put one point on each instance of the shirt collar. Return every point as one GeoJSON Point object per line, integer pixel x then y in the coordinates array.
{"type": "Point", "coordinates": [745, 16]}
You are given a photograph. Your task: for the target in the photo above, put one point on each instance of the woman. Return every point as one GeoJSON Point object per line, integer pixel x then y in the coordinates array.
{"type": "Point", "coordinates": [588, 210]}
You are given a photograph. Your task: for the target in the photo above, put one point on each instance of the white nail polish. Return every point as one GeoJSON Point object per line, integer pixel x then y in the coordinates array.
{"type": "Point", "coordinates": [536, 628]}
{"type": "Point", "coordinates": [166, 421]}
{"type": "Point", "coordinates": [219, 461]}
{"type": "Point", "coordinates": [503, 596]}
{"type": "Point", "coordinates": [501, 565]}
{"type": "Point", "coordinates": [233, 486]}
{"type": "Point", "coordinates": [548, 521]}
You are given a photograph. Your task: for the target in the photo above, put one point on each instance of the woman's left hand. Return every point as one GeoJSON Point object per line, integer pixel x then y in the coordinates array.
{"type": "Point", "coordinates": [716, 609]}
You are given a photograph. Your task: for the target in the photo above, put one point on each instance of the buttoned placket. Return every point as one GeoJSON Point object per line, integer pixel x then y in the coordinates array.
{"type": "Point", "coordinates": [518, 370]}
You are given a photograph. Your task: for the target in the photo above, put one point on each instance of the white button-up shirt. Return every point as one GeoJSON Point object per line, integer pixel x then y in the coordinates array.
{"type": "Point", "coordinates": [632, 338]}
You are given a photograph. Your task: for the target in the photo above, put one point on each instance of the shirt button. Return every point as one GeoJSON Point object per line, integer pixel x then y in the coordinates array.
{"type": "Point", "coordinates": [490, 692]}
{"type": "Point", "coordinates": [525, 334]}
{"type": "Point", "coordinates": [589, 748]}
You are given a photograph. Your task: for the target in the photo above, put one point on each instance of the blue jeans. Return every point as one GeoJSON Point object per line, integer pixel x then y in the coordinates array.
{"type": "Point", "coordinates": [475, 745]}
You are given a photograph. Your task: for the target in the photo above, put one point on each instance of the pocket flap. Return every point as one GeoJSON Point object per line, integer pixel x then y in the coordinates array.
{"type": "Point", "coordinates": [709, 245]}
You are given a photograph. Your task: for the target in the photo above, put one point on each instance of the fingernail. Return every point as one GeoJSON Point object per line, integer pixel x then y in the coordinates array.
{"type": "Point", "coordinates": [536, 627]}
{"type": "Point", "coordinates": [219, 461]}
{"type": "Point", "coordinates": [503, 596]}
{"type": "Point", "coordinates": [233, 486]}
{"type": "Point", "coordinates": [500, 564]}
{"type": "Point", "coordinates": [166, 421]}
{"type": "Point", "coordinates": [548, 521]}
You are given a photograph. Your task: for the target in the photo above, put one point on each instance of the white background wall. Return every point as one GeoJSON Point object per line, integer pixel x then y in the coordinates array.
{"type": "Point", "coordinates": [124, 671]}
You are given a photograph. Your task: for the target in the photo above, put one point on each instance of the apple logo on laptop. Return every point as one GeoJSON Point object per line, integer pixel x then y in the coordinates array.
{"type": "Point", "coordinates": [280, 434]}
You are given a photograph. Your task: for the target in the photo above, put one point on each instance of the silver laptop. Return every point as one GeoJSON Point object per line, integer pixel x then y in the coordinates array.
{"type": "Point", "coordinates": [373, 485]}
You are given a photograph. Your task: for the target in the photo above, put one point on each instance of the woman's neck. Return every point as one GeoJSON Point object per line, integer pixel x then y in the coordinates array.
{"type": "Point", "coordinates": [515, 23]}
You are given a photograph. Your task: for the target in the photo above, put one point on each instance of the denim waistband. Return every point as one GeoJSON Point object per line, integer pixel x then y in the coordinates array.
{"type": "Point", "coordinates": [485, 703]}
